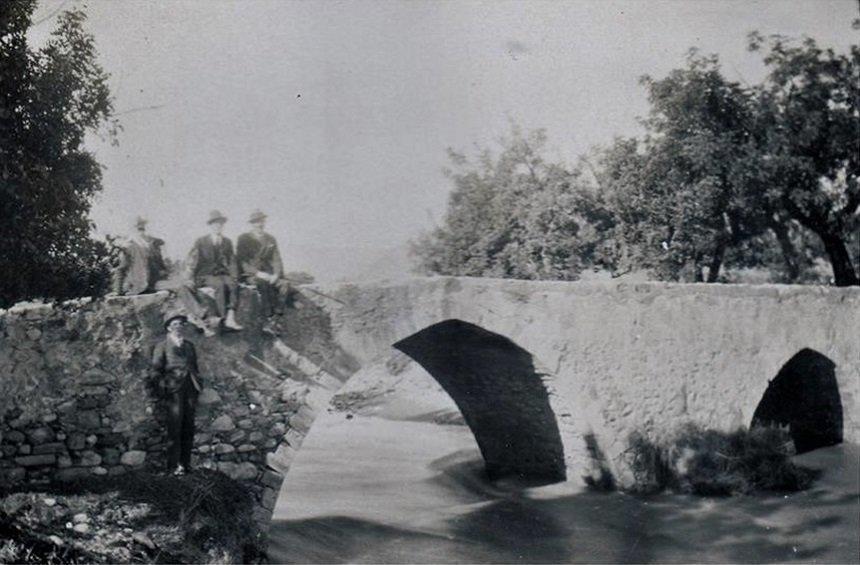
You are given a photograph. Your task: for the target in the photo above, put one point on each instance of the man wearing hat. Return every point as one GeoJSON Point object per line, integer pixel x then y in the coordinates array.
{"type": "Point", "coordinates": [174, 372]}
{"type": "Point", "coordinates": [260, 263]}
{"type": "Point", "coordinates": [211, 262]}
{"type": "Point", "coordinates": [140, 262]}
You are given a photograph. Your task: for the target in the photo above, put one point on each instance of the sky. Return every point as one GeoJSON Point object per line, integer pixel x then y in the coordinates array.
{"type": "Point", "coordinates": [334, 117]}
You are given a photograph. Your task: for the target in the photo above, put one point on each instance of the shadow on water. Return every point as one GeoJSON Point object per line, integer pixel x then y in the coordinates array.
{"type": "Point", "coordinates": [509, 523]}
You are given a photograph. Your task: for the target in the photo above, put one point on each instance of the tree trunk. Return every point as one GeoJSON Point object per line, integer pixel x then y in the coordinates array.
{"type": "Point", "coordinates": [840, 260]}
{"type": "Point", "coordinates": [716, 262]}
{"type": "Point", "coordinates": [789, 253]}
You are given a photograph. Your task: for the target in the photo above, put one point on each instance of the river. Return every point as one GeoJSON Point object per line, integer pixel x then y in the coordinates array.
{"type": "Point", "coordinates": [372, 490]}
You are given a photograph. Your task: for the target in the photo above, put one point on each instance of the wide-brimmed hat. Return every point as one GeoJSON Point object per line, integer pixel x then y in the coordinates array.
{"type": "Point", "coordinates": [216, 216]}
{"type": "Point", "coordinates": [256, 216]}
{"type": "Point", "coordinates": [139, 221]}
{"type": "Point", "coordinates": [170, 316]}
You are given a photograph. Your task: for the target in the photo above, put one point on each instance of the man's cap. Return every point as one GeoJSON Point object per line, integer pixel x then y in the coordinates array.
{"type": "Point", "coordinates": [170, 316]}
{"type": "Point", "coordinates": [139, 221]}
{"type": "Point", "coordinates": [256, 216]}
{"type": "Point", "coordinates": [216, 216]}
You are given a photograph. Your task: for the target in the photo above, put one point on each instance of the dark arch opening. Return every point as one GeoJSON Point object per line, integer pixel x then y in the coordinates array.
{"type": "Point", "coordinates": [502, 397]}
{"type": "Point", "coordinates": [805, 397]}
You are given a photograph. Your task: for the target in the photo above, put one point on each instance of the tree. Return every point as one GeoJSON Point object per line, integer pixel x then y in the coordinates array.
{"type": "Point", "coordinates": [807, 132]}
{"type": "Point", "coordinates": [50, 99]}
{"type": "Point", "coordinates": [515, 215]}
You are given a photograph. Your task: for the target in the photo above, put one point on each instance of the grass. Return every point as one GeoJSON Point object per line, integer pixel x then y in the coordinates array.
{"type": "Point", "coordinates": [714, 463]}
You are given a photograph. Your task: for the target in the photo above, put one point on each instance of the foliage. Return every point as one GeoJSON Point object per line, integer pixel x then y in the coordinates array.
{"type": "Point", "coordinates": [516, 215]}
{"type": "Point", "coordinates": [712, 463]}
{"type": "Point", "coordinates": [728, 178]}
{"type": "Point", "coordinates": [50, 99]}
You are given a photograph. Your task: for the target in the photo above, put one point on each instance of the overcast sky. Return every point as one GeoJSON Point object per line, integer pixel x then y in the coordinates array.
{"type": "Point", "coordinates": [334, 117]}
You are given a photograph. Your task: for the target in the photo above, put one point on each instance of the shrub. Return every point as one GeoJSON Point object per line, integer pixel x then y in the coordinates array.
{"type": "Point", "coordinates": [714, 463]}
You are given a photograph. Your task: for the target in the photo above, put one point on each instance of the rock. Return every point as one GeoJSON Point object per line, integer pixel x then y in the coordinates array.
{"type": "Point", "coordinates": [237, 436]}
{"type": "Point", "coordinates": [227, 468]}
{"type": "Point", "coordinates": [278, 430]}
{"type": "Point", "coordinates": [13, 475]}
{"type": "Point", "coordinates": [92, 439]}
{"type": "Point", "coordinates": [81, 528]}
{"type": "Point", "coordinates": [223, 424]}
{"type": "Point", "coordinates": [76, 441]}
{"type": "Point", "coordinates": [143, 540]}
{"type": "Point", "coordinates": [244, 472]}
{"type": "Point", "coordinates": [24, 449]}
{"type": "Point", "coordinates": [34, 334]}
{"type": "Point", "coordinates": [54, 447]}
{"type": "Point", "coordinates": [56, 540]}
{"type": "Point", "coordinates": [40, 435]}
{"type": "Point", "coordinates": [133, 458]}
{"type": "Point", "coordinates": [223, 448]}
{"type": "Point", "coordinates": [255, 437]}
{"type": "Point", "coordinates": [89, 419]}
{"type": "Point", "coordinates": [49, 501]}
{"type": "Point", "coordinates": [64, 461]}
{"type": "Point", "coordinates": [80, 518]}
{"type": "Point", "coordinates": [246, 424]}
{"type": "Point", "coordinates": [72, 474]}
{"type": "Point", "coordinates": [15, 437]}
{"type": "Point", "coordinates": [208, 396]}
{"type": "Point", "coordinates": [272, 479]}
{"type": "Point", "coordinates": [90, 459]}
{"type": "Point", "coordinates": [96, 377]}
{"type": "Point", "coordinates": [100, 471]}
{"type": "Point", "coordinates": [48, 418]}
{"type": "Point", "coordinates": [36, 460]}
{"type": "Point", "coordinates": [246, 447]}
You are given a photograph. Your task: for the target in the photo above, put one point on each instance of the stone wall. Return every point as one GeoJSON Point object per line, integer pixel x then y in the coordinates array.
{"type": "Point", "coordinates": [75, 399]}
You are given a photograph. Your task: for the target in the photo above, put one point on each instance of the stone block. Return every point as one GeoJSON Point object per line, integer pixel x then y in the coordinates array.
{"type": "Point", "coordinates": [100, 471]}
{"type": "Point", "coordinates": [237, 436]}
{"type": "Point", "coordinates": [278, 430]}
{"type": "Point", "coordinates": [246, 447]}
{"type": "Point", "coordinates": [89, 419]}
{"type": "Point", "coordinates": [53, 447]}
{"type": "Point", "coordinates": [270, 498]}
{"type": "Point", "coordinates": [36, 460]}
{"type": "Point", "coordinates": [255, 437]}
{"type": "Point", "coordinates": [208, 396]}
{"type": "Point", "coordinates": [25, 449]}
{"type": "Point", "coordinates": [272, 479]}
{"type": "Point", "coordinates": [133, 458]}
{"type": "Point", "coordinates": [14, 436]}
{"type": "Point", "coordinates": [90, 459]}
{"type": "Point", "coordinates": [40, 435]}
{"type": "Point", "coordinates": [76, 441]}
{"type": "Point", "coordinates": [246, 424]}
{"type": "Point", "coordinates": [244, 472]}
{"type": "Point", "coordinates": [223, 423]}
{"type": "Point", "coordinates": [96, 377]}
{"type": "Point", "coordinates": [223, 448]}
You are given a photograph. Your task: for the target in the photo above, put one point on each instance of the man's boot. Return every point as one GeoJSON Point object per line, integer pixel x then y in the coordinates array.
{"type": "Point", "coordinates": [201, 325]}
{"type": "Point", "coordinates": [231, 322]}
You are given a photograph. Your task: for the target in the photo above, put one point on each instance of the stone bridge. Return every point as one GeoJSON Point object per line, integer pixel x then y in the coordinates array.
{"type": "Point", "coordinates": [551, 377]}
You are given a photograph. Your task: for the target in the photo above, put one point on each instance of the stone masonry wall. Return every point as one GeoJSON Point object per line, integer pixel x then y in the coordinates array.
{"type": "Point", "coordinates": [75, 399]}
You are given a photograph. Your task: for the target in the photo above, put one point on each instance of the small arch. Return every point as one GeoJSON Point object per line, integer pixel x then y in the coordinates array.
{"type": "Point", "coordinates": [805, 397]}
{"type": "Point", "coordinates": [502, 397]}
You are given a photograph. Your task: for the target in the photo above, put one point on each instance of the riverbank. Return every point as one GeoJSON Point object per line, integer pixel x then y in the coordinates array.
{"type": "Point", "coordinates": [371, 490]}
{"type": "Point", "coordinates": [139, 517]}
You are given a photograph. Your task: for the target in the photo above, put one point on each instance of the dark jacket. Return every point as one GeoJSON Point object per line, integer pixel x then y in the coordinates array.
{"type": "Point", "coordinates": [261, 254]}
{"type": "Point", "coordinates": [173, 367]}
{"type": "Point", "coordinates": [140, 267]}
{"type": "Point", "coordinates": [206, 259]}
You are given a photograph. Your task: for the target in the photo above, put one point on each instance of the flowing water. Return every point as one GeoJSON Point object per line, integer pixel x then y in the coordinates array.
{"type": "Point", "coordinates": [371, 490]}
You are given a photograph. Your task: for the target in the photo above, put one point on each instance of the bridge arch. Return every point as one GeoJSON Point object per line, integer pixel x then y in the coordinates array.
{"type": "Point", "coordinates": [500, 393]}
{"type": "Point", "coordinates": [804, 396]}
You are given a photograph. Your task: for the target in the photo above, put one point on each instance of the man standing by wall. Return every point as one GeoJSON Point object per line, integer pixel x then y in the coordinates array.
{"type": "Point", "coordinates": [212, 263]}
{"type": "Point", "coordinates": [260, 264]}
{"type": "Point", "coordinates": [174, 371]}
{"type": "Point", "coordinates": [141, 264]}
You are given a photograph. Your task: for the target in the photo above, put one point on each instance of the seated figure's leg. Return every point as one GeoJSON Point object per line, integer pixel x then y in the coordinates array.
{"type": "Point", "coordinates": [219, 284]}
{"type": "Point", "coordinates": [189, 299]}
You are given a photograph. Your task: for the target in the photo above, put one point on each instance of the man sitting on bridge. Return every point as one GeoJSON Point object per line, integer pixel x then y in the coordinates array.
{"type": "Point", "coordinates": [260, 264]}
{"type": "Point", "coordinates": [140, 262]}
{"type": "Point", "coordinates": [212, 263]}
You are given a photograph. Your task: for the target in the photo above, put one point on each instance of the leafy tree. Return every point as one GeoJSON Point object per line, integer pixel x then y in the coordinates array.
{"type": "Point", "coordinates": [50, 98]}
{"type": "Point", "coordinates": [515, 215]}
{"type": "Point", "coordinates": [807, 130]}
